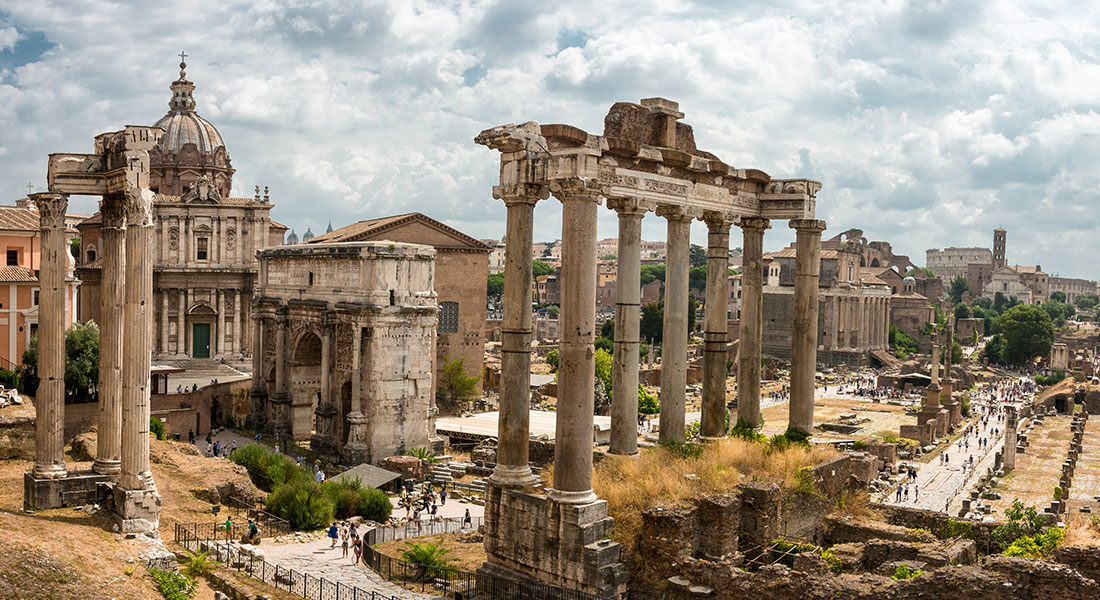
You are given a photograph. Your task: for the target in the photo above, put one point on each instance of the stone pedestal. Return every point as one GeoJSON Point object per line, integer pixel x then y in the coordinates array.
{"type": "Point", "coordinates": [324, 440]}
{"type": "Point", "coordinates": [752, 321]}
{"type": "Point", "coordinates": [75, 489]}
{"type": "Point", "coordinates": [356, 451]}
{"type": "Point", "coordinates": [137, 511]}
{"type": "Point", "coordinates": [279, 412]}
{"type": "Point", "coordinates": [258, 414]}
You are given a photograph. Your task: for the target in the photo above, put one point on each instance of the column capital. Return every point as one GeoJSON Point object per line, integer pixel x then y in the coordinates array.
{"type": "Point", "coordinates": [521, 193]}
{"type": "Point", "coordinates": [807, 225]}
{"type": "Point", "coordinates": [112, 212]}
{"type": "Point", "coordinates": [676, 212]}
{"type": "Point", "coordinates": [139, 206]}
{"type": "Point", "coordinates": [576, 188]}
{"type": "Point", "coordinates": [630, 206]}
{"type": "Point", "coordinates": [720, 221]}
{"type": "Point", "coordinates": [755, 223]}
{"type": "Point", "coordinates": [51, 209]}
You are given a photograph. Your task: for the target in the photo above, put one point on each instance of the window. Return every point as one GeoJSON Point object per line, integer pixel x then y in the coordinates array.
{"type": "Point", "coordinates": [91, 256]}
{"type": "Point", "coordinates": [448, 317]}
{"type": "Point", "coordinates": [13, 258]}
{"type": "Point", "coordinates": [36, 297]}
{"type": "Point", "coordinates": [311, 278]}
{"type": "Point", "coordinates": [201, 248]}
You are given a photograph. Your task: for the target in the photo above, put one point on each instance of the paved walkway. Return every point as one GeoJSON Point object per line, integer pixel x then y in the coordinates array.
{"type": "Point", "coordinates": [317, 559]}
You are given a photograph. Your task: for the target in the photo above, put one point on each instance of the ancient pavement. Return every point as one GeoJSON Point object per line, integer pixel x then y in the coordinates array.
{"type": "Point", "coordinates": [316, 559]}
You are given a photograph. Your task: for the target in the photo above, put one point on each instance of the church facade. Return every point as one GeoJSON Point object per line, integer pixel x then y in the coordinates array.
{"type": "Point", "coordinates": [205, 268]}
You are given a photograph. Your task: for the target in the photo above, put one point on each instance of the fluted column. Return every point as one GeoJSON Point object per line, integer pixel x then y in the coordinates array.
{"type": "Point", "coordinates": [713, 423]}
{"type": "Point", "coordinates": [628, 298]}
{"type": "Point", "coordinates": [675, 327]}
{"type": "Point", "coordinates": [238, 317]}
{"type": "Point", "coordinates": [111, 333]}
{"type": "Point", "coordinates": [752, 320]}
{"type": "Point", "coordinates": [513, 426]}
{"type": "Point", "coordinates": [219, 335]}
{"type": "Point", "coordinates": [181, 328]}
{"type": "Point", "coordinates": [804, 330]}
{"type": "Point", "coordinates": [576, 363]}
{"type": "Point", "coordinates": [326, 366]}
{"type": "Point", "coordinates": [138, 315]}
{"type": "Point", "coordinates": [49, 402]}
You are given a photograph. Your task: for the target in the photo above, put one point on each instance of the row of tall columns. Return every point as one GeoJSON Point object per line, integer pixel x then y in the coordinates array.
{"type": "Point", "coordinates": [675, 327]}
{"type": "Point", "coordinates": [750, 345]}
{"type": "Point", "coordinates": [716, 327]}
{"type": "Point", "coordinates": [804, 332]}
{"type": "Point", "coordinates": [49, 401]}
{"type": "Point", "coordinates": [113, 250]}
{"type": "Point", "coordinates": [628, 305]}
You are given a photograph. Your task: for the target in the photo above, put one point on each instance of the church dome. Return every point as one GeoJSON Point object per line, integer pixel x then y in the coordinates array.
{"type": "Point", "coordinates": [291, 238]}
{"type": "Point", "coordinates": [190, 148]}
{"type": "Point", "coordinates": [308, 235]}
{"type": "Point", "coordinates": [909, 279]}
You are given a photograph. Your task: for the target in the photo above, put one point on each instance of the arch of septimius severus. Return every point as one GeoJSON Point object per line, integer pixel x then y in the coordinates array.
{"type": "Point", "coordinates": [644, 161]}
{"type": "Point", "coordinates": [118, 170]}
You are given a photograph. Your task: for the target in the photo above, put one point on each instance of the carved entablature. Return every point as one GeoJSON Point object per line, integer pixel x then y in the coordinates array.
{"type": "Point", "coordinates": [202, 191]}
{"type": "Point", "coordinates": [645, 154]}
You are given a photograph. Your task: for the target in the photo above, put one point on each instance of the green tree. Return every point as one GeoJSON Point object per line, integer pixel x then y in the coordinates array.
{"type": "Point", "coordinates": [651, 272]}
{"type": "Point", "coordinates": [902, 343]}
{"type": "Point", "coordinates": [74, 248]}
{"type": "Point", "coordinates": [958, 288]}
{"type": "Point", "coordinates": [647, 403]}
{"type": "Point", "coordinates": [929, 273]}
{"type": "Point", "coordinates": [1058, 297]}
{"type": "Point", "coordinates": [456, 388]}
{"type": "Point", "coordinates": [603, 380]}
{"type": "Point", "coordinates": [994, 349]}
{"type": "Point", "coordinates": [81, 362]}
{"type": "Point", "coordinates": [552, 359]}
{"type": "Point", "coordinates": [697, 255]}
{"type": "Point", "coordinates": [607, 330]}
{"type": "Point", "coordinates": [697, 278]}
{"type": "Point", "coordinates": [540, 268]}
{"type": "Point", "coordinates": [956, 353]}
{"type": "Point", "coordinates": [984, 303]}
{"type": "Point", "coordinates": [1028, 333]}
{"type": "Point", "coordinates": [1087, 302]}
{"type": "Point", "coordinates": [653, 316]}
{"type": "Point", "coordinates": [962, 311]}
{"type": "Point", "coordinates": [999, 302]}
{"type": "Point", "coordinates": [553, 310]}
{"type": "Point", "coordinates": [495, 288]}
{"type": "Point", "coordinates": [693, 305]}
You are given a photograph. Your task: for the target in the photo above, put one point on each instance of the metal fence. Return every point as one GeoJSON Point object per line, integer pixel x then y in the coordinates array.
{"type": "Point", "coordinates": [269, 524]}
{"type": "Point", "coordinates": [207, 537]}
{"type": "Point", "coordinates": [453, 583]}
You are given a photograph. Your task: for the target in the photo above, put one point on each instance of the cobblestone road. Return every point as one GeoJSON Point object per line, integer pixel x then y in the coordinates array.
{"type": "Point", "coordinates": [316, 559]}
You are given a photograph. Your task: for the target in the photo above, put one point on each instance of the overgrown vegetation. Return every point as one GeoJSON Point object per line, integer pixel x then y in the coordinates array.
{"type": "Point", "coordinates": [196, 565]}
{"type": "Point", "coordinates": [456, 389]}
{"type": "Point", "coordinates": [1050, 379]}
{"type": "Point", "coordinates": [432, 558]}
{"type": "Point", "coordinates": [1040, 545]}
{"type": "Point", "coordinates": [173, 586]}
{"type": "Point", "coordinates": [903, 572]}
{"type": "Point", "coordinates": [304, 504]}
{"type": "Point", "coordinates": [954, 528]}
{"type": "Point", "coordinates": [902, 344]}
{"type": "Point", "coordinates": [1022, 522]}
{"type": "Point", "coordinates": [156, 427]}
{"type": "Point", "coordinates": [81, 362]}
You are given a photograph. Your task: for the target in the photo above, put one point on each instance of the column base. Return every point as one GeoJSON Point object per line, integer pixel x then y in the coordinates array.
{"type": "Point", "coordinates": [50, 471]}
{"type": "Point", "coordinates": [137, 511]}
{"type": "Point", "coordinates": [107, 466]}
{"type": "Point", "coordinates": [567, 497]}
{"type": "Point", "coordinates": [258, 412]}
{"type": "Point", "coordinates": [74, 489]}
{"type": "Point", "coordinates": [513, 477]}
{"type": "Point", "coordinates": [278, 411]}
{"type": "Point", "coordinates": [356, 451]}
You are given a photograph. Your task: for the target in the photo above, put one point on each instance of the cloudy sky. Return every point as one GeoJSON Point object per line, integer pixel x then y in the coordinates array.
{"type": "Point", "coordinates": [929, 123]}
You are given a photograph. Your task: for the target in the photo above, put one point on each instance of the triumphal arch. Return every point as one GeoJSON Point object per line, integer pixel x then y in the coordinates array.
{"type": "Point", "coordinates": [117, 170]}
{"type": "Point", "coordinates": [645, 161]}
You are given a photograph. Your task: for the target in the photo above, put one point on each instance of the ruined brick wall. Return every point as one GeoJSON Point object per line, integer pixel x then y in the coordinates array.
{"type": "Point", "coordinates": [778, 309]}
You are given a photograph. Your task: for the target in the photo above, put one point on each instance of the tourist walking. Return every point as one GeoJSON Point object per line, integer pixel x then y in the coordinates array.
{"type": "Point", "coordinates": [357, 544]}
{"type": "Point", "coordinates": [333, 534]}
{"type": "Point", "coordinates": [467, 521]}
{"type": "Point", "coordinates": [344, 542]}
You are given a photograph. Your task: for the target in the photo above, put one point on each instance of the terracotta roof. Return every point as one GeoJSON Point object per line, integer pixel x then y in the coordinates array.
{"type": "Point", "coordinates": [14, 218]}
{"type": "Point", "coordinates": [878, 271]}
{"type": "Point", "coordinates": [872, 280]}
{"type": "Point", "coordinates": [11, 274]}
{"type": "Point", "coordinates": [1025, 269]}
{"type": "Point", "coordinates": [364, 229]}
{"type": "Point", "coordinates": [277, 225]}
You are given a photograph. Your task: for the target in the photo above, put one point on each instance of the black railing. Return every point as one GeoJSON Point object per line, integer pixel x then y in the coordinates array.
{"type": "Point", "coordinates": [198, 537]}
{"type": "Point", "coordinates": [453, 583]}
{"type": "Point", "coordinates": [269, 524]}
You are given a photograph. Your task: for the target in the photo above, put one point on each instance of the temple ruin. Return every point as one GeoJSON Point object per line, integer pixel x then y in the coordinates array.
{"type": "Point", "coordinates": [646, 160]}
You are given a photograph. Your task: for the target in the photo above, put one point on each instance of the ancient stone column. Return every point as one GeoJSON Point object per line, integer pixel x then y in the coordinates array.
{"type": "Point", "coordinates": [219, 335]}
{"type": "Point", "coordinates": [713, 420]}
{"type": "Point", "coordinates": [356, 450]}
{"type": "Point", "coordinates": [138, 316]}
{"type": "Point", "coordinates": [628, 298]}
{"type": "Point", "coordinates": [752, 320]}
{"type": "Point", "coordinates": [49, 402]}
{"type": "Point", "coordinates": [576, 363]}
{"type": "Point", "coordinates": [279, 401]}
{"type": "Point", "coordinates": [1010, 438]}
{"type": "Point", "coordinates": [181, 328]}
{"type": "Point", "coordinates": [258, 392]}
{"type": "Point", "coordinates": [111, 333]}
{"type": "Point", "coordinates": [513, 426]}
{"type": "Point", "coordinates": [238, 317]}
{"type": "Point", "coordinates": [804, 330]}
{"type": "Point", "coordinates": [326, 365]}
{"type": "Point", "coordinates": [675, 326]}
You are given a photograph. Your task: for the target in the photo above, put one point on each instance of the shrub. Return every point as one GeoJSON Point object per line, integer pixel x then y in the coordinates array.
{"type": "Point", "coordinates": [805, 485]}
{"type": "Point", "coordinates": [832, 560]}
{"type": "Point", "coordinates": [746, 432]}
{"type": "Point", "coordinates": [156, 427]}
{"type": "Point", "coordinates": [903, 572]}
{"type": "Point", "coordinates": [432, 557]}
{"type": "Point", "coordinates": [1037, 546]}
{"type": "Point", "coordinates": [173, 586]}
{"type": "Point", "coordinates": [423, 454]}
{"type": "Point", "coordinates": [197, 565]}
{"type": "Point", "coordinates": [859, 445]}
{"type": "Point", "coordinates": [1023, 521]}
{"type": "Point", "coordinates": [375, 505]}
{"type": "Point", "coordinates": [304, 504]}
{"type": "Point", "coordinates": [647, 403]}
{"type": "Point", "coordinates": [9, 379]}
{"type": "Point", "coordinates": [954, 528]}
{"type": "Point", "coordinates": [267, 468]}
{"type": "Point", "coordinates": [350, 498]}
{"type": "Point", "coordinates": [282, 470]}
{"type": "Point", "coordinates": [1050, 379]}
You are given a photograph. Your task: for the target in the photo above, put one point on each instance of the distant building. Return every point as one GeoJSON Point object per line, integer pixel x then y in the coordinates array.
{"type": "Point", "coordinates": [952, 263]}
{"type": "Point", "coordinates": [1072, 288]}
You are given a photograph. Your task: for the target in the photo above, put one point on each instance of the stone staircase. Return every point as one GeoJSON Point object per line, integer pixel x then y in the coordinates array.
{"type": "Point", "coordinates": [207, 368]}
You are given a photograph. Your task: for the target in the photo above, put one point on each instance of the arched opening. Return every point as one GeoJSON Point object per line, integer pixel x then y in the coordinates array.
{"type": "Point", "coordinates": [304, 384]}
{"type": "Point", "coordinates": [874, 262]}
{"type": "Point", "coordinates": [345, 408]}
{"type": "Point", "coordinates": [862, 262]}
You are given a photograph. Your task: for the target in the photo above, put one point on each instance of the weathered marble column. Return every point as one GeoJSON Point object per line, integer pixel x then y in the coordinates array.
{"type": "Point", "coordinates": [628, 298]}
{"type": "Point", "coordinates": [713, 420]}
{"type": "Point", "coordinates": [576, 364]}
{"type": "Point", "coordinates": [138, 316]}
{"type": "Point", "coordinates": [258, 393]}
{"type": "Point", "coordinates": [675, 326]}
{"type": "Point", "coordinates": [355, 451]}
{"type": "Point", "coordinates": [326, 365]}
{"type": "Point", "coordinates": [752, 320]}
{"type": "Point", "coordinates": [804, 330]}
{"type": "Point", "coordinates": [1010, 438]}
{"type": "Point", "coordinates": [49, 402]}
{"type": "Point", "coordinates": [513, 426]}
{"type": "Point", "coordinates": [111, 333]}
{"type": "Point", "coordinates": [279, 401]}
{"type": "Point", "coordinates": [238, 317]}
{"type": "Point", "coordinates": [181, 328]}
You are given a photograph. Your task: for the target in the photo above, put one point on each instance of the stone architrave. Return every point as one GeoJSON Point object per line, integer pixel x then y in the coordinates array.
{"type": "Point", "coordinates": [713, 419]}
{"type": "Point", "coordinates": [675, 326]}
{"type": "Point", "coordinates": [513, 426]}
{"type": "Point", "coordinates": [752, 320]}
{"type": "Point", "coordinates": [804, 333]}
{"type": "Point", "coordinates": [137, 502]}
{"type": "Point", "coordinates": [49, 403]}
{"type": "Point", "coordinates": [113, 250]}
{"type": "Point", "coordinates": [576, 365]}
{"type": "Point", "coordinates": [628, 289]}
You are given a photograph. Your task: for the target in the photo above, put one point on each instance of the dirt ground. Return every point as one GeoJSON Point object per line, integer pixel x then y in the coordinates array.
{"type": "Point", "coordinates": [884, 418]}
{"type": "Point", "coordinates": [1039, 468]}
{"type": "Point", "coordinates": [64, 554]}
{"type": "Point", "coordinates": [468, 555]}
